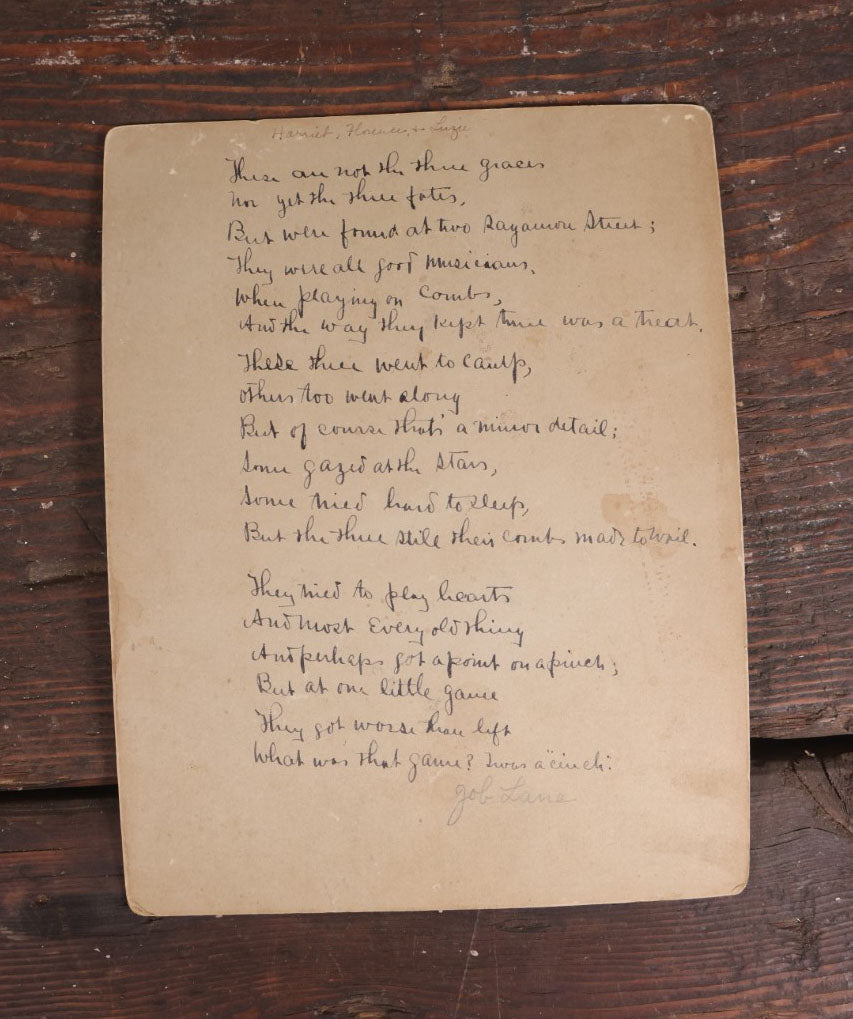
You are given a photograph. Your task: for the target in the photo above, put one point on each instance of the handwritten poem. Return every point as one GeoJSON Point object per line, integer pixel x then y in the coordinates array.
{"type": "Point", "coordinates": [425, 550]}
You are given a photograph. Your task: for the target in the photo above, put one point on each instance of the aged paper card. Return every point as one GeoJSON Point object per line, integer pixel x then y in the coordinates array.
{"type": "Point", "coordinates": [425, 553]}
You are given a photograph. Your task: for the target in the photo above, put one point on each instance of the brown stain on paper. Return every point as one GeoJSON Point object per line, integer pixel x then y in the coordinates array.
{"type": "Point", "coordinates": [626, 513]}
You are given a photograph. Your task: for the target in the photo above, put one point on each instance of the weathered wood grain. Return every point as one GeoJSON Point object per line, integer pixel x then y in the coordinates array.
{"type": "Point", "coordinates": [774, 74]}
{"type": "Point", "coordinates": [69, 946]}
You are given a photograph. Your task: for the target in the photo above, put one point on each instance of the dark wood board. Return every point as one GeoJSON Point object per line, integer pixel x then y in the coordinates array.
{"type": "Point", "coordinates": [772, 73]}
{"type": "Point", "coordinates": [69, 945]}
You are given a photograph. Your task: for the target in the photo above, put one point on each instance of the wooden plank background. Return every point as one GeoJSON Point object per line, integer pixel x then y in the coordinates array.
{"type": "Point", "coordinates": [769, 71]}
{"type": "Point", "coordinates": [775, 76]}
{"type": "Point", "coordinates": [782, 950]}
